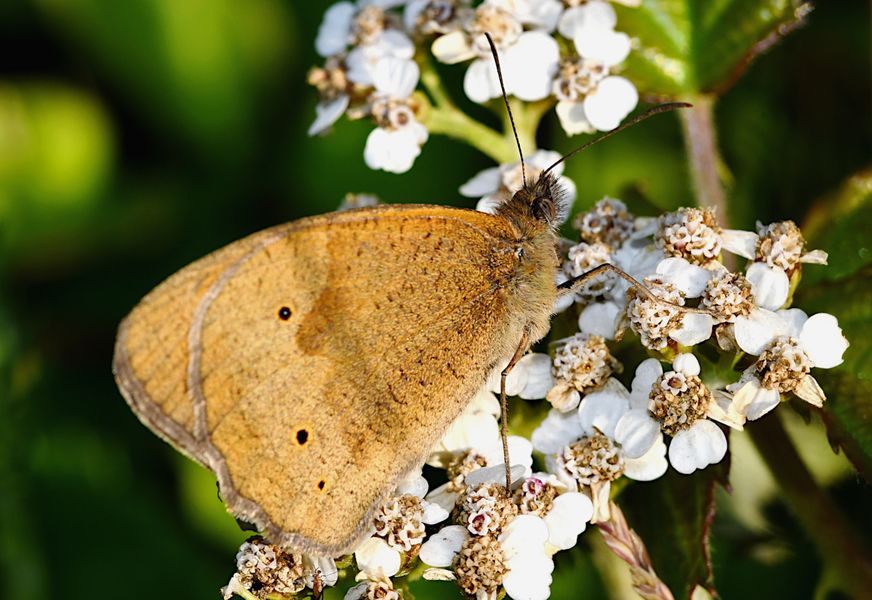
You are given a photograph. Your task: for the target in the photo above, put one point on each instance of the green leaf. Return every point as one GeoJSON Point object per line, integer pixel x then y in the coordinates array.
{"type": "Point", "coordinates": [848, 409]}
{"type": "Point", "coordinates": [688, 47]}
{"type": "Point", "coordinates": [673, 516]}
{"type": "Point", "coordinates": [840, 224]}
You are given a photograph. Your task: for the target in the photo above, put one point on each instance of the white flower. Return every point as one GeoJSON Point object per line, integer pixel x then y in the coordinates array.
{"type": "Point", "coordinates": [582, 364]}
{"type": "Point", "coordinates": [497, 184]}
{"type": "Point", "coordinates": [381, 588]}
{"type": "Point", "coordinates": [537, 14]}
{"type": "Point", "coordinates": [475, 427]}
{"type": "Point", "coordinates": [587, 449]}
{"type": "Point", "coordinates": [397, 141]}
{"type": "Point", "coordinates": [786, 358]}
{"type": "Point", "coordinates": [566, 513]}
{"type": "Point", "coordinates": [436, 16]}
{"type": "Point", "coordinates": [334, 90]}
{"type": "Point", "coordinates": [679, 404]}
{"type": "Point", "coordinates": [589, 96]}
{"type": "Point", "coordinates": [779, 253]}
{"type": "Point", "coordinates": [529, 58]}
{"type": "Point", "coordinates": [694, 234]}
{"type": "Point", "coordinates": [517, 559]}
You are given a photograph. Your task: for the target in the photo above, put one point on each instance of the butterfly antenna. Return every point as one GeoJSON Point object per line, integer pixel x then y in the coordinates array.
{"type": "Point", "coordinates": [654, 110]}
{"type": "Point", "coordinates": [493, 48]}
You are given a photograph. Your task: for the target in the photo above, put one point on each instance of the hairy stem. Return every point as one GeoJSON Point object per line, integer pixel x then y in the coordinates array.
{"type": "Point", "coordinates": [838, 546]}
{"type": "Point", "coordinates": [704, 160]}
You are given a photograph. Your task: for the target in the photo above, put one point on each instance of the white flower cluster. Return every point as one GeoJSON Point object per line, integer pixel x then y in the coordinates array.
{"type": "Point", "coordinates": [567, 52]}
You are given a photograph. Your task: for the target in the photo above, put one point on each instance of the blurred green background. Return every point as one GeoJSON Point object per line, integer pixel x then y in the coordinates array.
{"type": "Point", "coordinates": [138, 135]}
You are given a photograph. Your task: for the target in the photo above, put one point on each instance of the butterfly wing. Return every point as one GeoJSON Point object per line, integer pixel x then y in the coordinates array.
{"type": "Point", "coordinates": [313, 365]}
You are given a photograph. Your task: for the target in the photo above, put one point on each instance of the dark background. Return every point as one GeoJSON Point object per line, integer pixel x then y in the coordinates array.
{"type": "Point", "coordinates": [138, 135]}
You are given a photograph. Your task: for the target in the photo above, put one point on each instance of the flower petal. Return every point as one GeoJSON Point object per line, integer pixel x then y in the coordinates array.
{"type": "Point", "coordinates": [572, 118]}
{"type": "Point", "coordinates": [441, 548]}
{"type": "Point", "coordinates": [396, 77]}
{"type": "Point", "coordinates": [452, 48]}
{"type": "Point", "coordinates": [686, 363]}
{"type": "Point", "coordinates": [650, 465]}
{"type": "Point", "coordinates": [568, 517]}
{"type": "Point", "coordinates": [529, 66]}
{"type": "Point", "coordinates": [327, 113]}
{"type": "Point", "coordinates": [695, 328]}
{"type": "Point", "coordinates": [494, 474]}
{"type": "Point", "coordinates": [480, 82]}
{"type": "Point", "coordinates": [523, 534]}
{"type": "Point", "coordinates": [637, 432]}
{"type": "Point", "coordinates": [375, 558]}
{"type": "Point", "coordinates": [823, 342]}
{"type": "Point", "coordinates": [591, 15]}
{"type": "Point", "coordinates": [434, 513]}
{"type": "Point", "coordinates": [414, 483]}
{"type": "Point", "coordinates": [482, 183]}
{"type": "Point", "coordinates": [539, 378]}
{"type": "Point", "coordinates": [756, 331]}
{"type": "Point", "coordinates": [690, 279]}
{"type": "Point", "coordinates": [741, 243]}
{"type": "Point", "coordinates": [695, 448]}
{"type": "Point", "coordinates": [648, 371]}
{"type": "Point", "coordinates": [556, 431]}
{"type": "Point", "coordinates": [769, 285]}
{"type": "Point", "coordinates": [613, 99]}
{"type": "Point", "coordinates": [603, 44]}
{"type": "Point", "coordinates": [810, 391]}
{"type": "Point", "coordinates": [600, 318]}
{"type": "Point", "coordinates": [335, 28]}
{"type": "Point", "coordinates": [815, 257]}
{"type": "Point", "coordinates": [601, 411]}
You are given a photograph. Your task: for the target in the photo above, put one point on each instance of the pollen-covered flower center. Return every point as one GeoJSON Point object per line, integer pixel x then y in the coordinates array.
{"type": "Point", "coordinates": [462, 466]}
{"type": "Point", "coordinates": [381, 590]}
{"type": "Point", "coordinates": [653, 321]}
{"type": "Point", "coordinates": [608, 222]}
{"type": "Point", "coordinates": [503, 28]}
{"type": "Point", "coordinates": [265, 568]}
{"type": "Point", "coordinates": [728, 295]}
{"type": "Point", "coordinates": [780, 245]}
{"type": "Point", "coordinates": [783, 365]}
{"type": "Point", "coordinates": [400, 521]}
{"type": "Point", "coordinates": [584, 362]}
{"type": "Point", "coordinates": [691, 233]}
{"type": "Point", "coordinates": [577, 78]}
{"type": "Point", "coordinates": [535, 497]}
{"type": "Point", "coordinates": [592, 460]}
{"type": "Point", "coordinates": [331, 80]}
{"type": "Point", "coordinates": [485, 509]}
{"type": "Point", "coordinates": [480, 566]}
{"type": "Point", "coordinates": [678, 401]}
{"type": "Point", "coordinates": [582, 258]}
{"type": "Point", "coordinates": [368, 24]}
{"type": "Point", "coordinates": [390, 113]}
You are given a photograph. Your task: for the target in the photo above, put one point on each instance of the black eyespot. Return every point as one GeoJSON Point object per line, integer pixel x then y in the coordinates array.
{"type": "Point", "coordinates": [302, 436]}
{"type": "Point", "coordinates": [284, 313]}
{"type": "Point", "coordinates": [321, 484]}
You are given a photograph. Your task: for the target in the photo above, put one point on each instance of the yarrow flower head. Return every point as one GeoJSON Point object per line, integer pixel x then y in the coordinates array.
{"type": "Point", "coordinates": [785, 359]}
{"type": "Point", "coordinates": [778, 256]}
{"type": "Point", "coordinates": [584, 451]}
{"type": "Point", "coordinates": [679, 404]}
{"type": "Point", "coordinates": [529, 57]}
{"type": "Point", "coordinates": [263, 569]}
{"type": "Point", "coordinates": [694, 234]}
{"type": "Point", "coordinates": [582, 364]}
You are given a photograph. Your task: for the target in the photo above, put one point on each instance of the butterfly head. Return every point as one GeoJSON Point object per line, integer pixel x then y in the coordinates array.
{"type": "Point", "coordinates": [544, 201]}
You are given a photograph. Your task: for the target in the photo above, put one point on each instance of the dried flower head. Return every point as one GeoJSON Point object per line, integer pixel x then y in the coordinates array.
{"type": "Point", "coordinates": [679, 400]}
{"type": "Point", "coordinates": [485, 509]}
{"type": "Point", "coordinates": [690, 233]}
{"type": "Point", "coordinates": [608, 222]}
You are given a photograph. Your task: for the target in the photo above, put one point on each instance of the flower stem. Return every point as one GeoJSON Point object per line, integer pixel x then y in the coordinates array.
{"type": "Point", "coordinates": [840, 549]}
{"type": "Point", "coordinates": [704, 160]}
{"type": "Point", "coordinates": [452, 122]}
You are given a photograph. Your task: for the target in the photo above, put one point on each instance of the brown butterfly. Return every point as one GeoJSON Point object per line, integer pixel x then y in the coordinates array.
{"type": "Point", "coordinates": [312, 365]}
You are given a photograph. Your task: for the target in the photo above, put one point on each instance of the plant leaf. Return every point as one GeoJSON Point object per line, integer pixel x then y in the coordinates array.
{"type": "Point", "coordinates": [688, 47]}
{"type": "Point", "coordinates": [673, 516]}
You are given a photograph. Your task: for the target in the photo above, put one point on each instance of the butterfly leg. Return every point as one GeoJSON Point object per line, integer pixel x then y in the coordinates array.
{"type": "Point", "coordinates": [504, 409]}
{"type": "Point", "coordinates": [569, 286]}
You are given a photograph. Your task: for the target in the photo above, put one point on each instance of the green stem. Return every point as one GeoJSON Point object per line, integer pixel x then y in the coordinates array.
{"type": "Point", "coordinates": [452, 122]}
{"type": "Point", "coordinates": [838, 546]}
{"type": "Point", "coordinates": [704, 160]}
{"type": "Point", "coordinates": [433, 83]}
